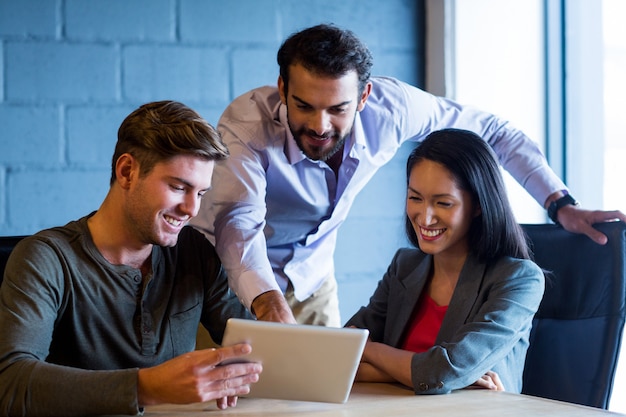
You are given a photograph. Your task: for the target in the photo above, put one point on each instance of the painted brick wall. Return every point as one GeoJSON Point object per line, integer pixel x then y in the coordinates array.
{"type": "Point", "coordinates": [71, 70]}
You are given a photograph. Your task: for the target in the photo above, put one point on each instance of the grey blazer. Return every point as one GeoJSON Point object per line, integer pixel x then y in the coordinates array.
{"type": "Point", "coordinates": [486, 326]}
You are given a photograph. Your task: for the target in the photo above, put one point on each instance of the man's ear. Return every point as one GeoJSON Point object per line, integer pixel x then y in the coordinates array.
{"type": "Point", "coordinates": [281, 90]}
{"type": "Point", "coordinates": [364, 95]}
{"type": "Point", "coordinates": [126, 168]}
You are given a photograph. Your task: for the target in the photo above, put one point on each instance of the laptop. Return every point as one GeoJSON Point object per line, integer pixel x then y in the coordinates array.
{"type": "Point", "coordinates": [300, 362]}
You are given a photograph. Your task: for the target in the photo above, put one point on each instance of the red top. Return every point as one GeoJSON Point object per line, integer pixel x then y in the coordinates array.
{"type": "Point", "coordinates": [422, 331]}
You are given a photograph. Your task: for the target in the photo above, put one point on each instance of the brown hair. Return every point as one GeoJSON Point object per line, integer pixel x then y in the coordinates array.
{"type": "Point", "coordinates": [158, 131]}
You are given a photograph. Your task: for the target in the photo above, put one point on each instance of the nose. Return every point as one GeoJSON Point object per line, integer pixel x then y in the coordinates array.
{"type": "Point", "coordinates": [429, 216]}
{"type": "Point", "coordinates": [191, 205]}
{"type": "Point", "coordinates": [320, 123]}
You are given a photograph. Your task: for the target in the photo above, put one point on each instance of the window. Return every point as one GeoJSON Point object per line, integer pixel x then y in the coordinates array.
{"type": "Point", "coordinates": [555, 68]}
{"type": "Point", "coordinates": [506, 76]}
{"type": "Point", "coordinates": [614, 104]}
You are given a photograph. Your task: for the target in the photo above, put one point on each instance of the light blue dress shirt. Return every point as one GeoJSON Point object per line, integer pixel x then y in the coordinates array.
{"type": "Point", "coordinates": [274, 214]}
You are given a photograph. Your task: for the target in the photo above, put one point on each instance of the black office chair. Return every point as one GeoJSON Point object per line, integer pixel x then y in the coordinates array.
{"type": "Point", "coordinates": [577, 331]}
{"type": "Point", "coordinates": [7, 243]}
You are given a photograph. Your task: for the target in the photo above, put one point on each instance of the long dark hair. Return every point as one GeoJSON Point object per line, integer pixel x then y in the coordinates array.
{"type": "Point", "coordinates": [495, 232]}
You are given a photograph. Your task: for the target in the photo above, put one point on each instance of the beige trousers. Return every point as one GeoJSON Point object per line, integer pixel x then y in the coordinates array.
{"type": "Point", "coordinates": [321, 308]}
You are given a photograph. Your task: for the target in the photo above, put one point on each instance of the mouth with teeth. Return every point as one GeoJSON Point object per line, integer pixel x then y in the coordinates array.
{"type": "Point", "coordinates": [174, 222]}
{"type": "Point", "coordinates": [431, 233]}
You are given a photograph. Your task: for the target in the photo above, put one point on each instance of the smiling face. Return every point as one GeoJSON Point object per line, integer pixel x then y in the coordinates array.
{"type": "Point", "coordinates": [160, 203]}
{"type": "Point", "coordinates": [321, 110]}
{"type": "Point", "coordinates": [441, 213]}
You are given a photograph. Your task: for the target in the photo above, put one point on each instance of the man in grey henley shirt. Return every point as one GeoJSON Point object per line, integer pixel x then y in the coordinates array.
{"type": "Point", "coordinates": [100, 316]}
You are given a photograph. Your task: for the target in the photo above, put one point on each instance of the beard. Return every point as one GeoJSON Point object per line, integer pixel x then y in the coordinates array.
{"type": "Point", "coordinates": [319, 153]}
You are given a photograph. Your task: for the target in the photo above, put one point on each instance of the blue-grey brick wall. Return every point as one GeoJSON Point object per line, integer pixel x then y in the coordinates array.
{"type": "Point", "coordinates": [71, 70]}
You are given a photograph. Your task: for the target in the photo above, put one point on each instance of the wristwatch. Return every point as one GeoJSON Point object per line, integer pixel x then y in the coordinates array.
{"type": "Point", "coordinates": [556, 205]}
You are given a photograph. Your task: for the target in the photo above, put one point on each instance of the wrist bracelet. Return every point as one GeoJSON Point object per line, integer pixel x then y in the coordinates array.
{"type": "Point", "coordinates": [557, 204]}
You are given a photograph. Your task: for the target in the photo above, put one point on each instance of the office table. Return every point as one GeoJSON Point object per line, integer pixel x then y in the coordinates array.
{"type": "Point", "coordinates": [389, 400]}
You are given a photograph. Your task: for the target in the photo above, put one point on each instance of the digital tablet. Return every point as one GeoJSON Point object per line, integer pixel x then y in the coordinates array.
{"type": "Point", "coordinates": [300, 362]}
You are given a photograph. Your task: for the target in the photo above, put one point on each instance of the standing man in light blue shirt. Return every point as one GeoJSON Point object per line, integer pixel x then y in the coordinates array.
{"type": "Point", "coordinates": [300, 154]}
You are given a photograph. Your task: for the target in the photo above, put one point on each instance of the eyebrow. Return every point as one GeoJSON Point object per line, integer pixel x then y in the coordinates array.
{"type": "Point", "coordinates": [299, 100]}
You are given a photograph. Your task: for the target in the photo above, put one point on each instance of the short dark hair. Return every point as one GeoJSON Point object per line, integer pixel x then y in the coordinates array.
{"type": "Point", "coordinates": [161, 130]}
{"type": "Point", "coordinates": [472, 162]}
{"type": "Point", "coordinates": [326, 50]}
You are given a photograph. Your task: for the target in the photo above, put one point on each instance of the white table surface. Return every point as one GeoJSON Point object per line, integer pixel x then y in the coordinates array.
{"type": "Point", "coordinates": [387, 400]}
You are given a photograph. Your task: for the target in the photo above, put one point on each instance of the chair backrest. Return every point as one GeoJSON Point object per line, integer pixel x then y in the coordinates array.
{"type": "Point", "coordinates": [7, 243]}
{"type": "Point", "coordinates": [577, 331]}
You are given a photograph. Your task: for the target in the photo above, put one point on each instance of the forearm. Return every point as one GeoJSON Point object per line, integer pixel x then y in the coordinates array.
{"type": "Point", "coordinates": [396, 363]}
{"type": "Point", "coordinates": [524, 161]}
{"type": "Point", "coordinates": [369, 373]}
{"type": "Point", "coordinates": [242, 249]}
{"type": "Point", "coordinates": [272, 306]}
{"type": "Point", "coordinates": [518, 154]}
{"type": "Point", "coordinates": [236, 202]}
{"type": "Point", "coordinates": [37, 388]}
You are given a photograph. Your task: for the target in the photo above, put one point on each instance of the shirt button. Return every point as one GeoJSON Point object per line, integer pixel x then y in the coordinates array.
{"type": "Point", "coordinates": [440, 384]}
{"type": "Point", "coordinates": [137, 279]}
{"type": "Point", "coordinates": [422, 386]}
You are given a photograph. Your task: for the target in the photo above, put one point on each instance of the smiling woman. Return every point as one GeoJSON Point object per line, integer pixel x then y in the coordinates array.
{"type": "Point", "coordinates": [467, 292]}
